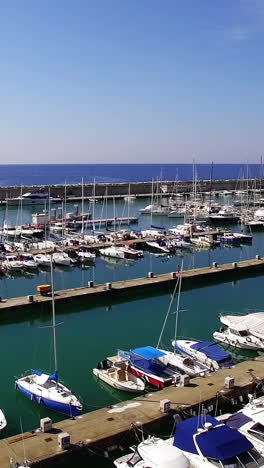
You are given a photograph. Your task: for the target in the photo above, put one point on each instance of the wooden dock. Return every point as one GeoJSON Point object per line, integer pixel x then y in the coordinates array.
{"type": "Point", "coordinates": [111, 427]}
{"type": "Point", "coordinates": [151, 284]}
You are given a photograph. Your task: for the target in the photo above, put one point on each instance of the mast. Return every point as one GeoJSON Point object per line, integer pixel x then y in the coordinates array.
{"type": "Point", "coordinates": [53, 318]}
{"type": "Point", "coordinates": [211, 181]}
{"type": "Point", "coordinates": [178, 305]}
{"type": "Point", "coordinates": [82, 208]}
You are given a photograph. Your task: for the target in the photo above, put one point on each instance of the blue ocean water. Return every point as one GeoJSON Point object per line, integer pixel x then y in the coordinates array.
{"type": "Point", "coordinates": [45, 174]}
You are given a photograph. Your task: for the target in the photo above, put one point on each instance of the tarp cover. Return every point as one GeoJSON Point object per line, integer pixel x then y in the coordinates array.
{"type": "Point", "coordinates": [237, 420]}
{"type": "Point", "coordinates": [219, 442]}
{"type": "Point", "coordinates": [147, 365]}
{"type": "Point", "coordinates": [211, 350]}
{"type": "Point", "coordinates": [148, 352]}
{"type": "Point", "coordinates": [54, 376]}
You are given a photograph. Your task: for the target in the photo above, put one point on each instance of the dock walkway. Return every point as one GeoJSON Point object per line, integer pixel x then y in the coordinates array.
{"type": "Point", "coordinates": [193, 278]}
{"type": "Point", "coordinates": [107, 427]}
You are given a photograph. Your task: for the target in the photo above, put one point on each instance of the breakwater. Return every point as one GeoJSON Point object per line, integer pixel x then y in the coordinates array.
{"type": "Point", "coordinates": [135, 188]}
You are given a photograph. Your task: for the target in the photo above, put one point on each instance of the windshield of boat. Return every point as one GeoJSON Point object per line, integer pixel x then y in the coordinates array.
{"type": "Point", "coordinates": [250, 459]}
{"type": "Point", "coordinates": [257, 430]}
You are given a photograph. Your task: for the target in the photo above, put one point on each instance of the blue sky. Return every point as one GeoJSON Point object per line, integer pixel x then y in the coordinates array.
{"type": "Point", "coordinates": [131, 81]}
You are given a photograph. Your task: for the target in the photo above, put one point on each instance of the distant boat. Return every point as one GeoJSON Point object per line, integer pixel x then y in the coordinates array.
{"type": "Point", "coordinates": [45, 389]}
{"type": "Point", "coordinates": [32, 198]}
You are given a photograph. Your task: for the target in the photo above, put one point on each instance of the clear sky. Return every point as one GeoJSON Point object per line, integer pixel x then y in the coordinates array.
{"type": "Point", "coordinates": [131, 81]}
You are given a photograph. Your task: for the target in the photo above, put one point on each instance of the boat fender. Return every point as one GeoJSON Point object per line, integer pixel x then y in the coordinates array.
{"type": "Point", "coordinates": [249, 339]}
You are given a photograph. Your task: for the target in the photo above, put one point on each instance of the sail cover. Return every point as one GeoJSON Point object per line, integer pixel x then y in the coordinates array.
{"type": "Point", "coordinates": [148, 352]}
{"type": "Point", "coordinates": [220, 442]}
{"type": "Point", "coordinates": [211, 350]}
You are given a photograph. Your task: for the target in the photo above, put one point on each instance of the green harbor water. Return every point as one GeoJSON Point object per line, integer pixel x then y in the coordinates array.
{"type": "Point", "coordinates": [92, 331]}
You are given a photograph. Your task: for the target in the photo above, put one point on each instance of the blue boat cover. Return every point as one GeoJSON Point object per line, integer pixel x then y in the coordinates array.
{"type": "Point", "coordinates": [211, 350]}
{"type": "Point", "coordinates": [158, 227]}
{"type": "Point", "coordinates": [147, 365]}
{"type": "Point", "coordinates": [36, 372]}
{"type": "Point", "coordinates": [148, 352]}
{"type": "Point", "coordinates": [237, 420]}
{"type": "Point", "coordinates": [219, 442]}
{"type": "Point", "coordinates": [54, 376]}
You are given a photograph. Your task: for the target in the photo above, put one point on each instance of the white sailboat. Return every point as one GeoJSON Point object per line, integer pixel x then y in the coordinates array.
{"type": "Point", "coordinates": [176, 361]}
{"type": "Point", "coordinates": [45, 389]}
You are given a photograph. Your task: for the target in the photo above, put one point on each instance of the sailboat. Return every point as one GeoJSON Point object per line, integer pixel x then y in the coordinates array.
{"type": "Point", "coordinates": [45, 389]}
{"type": "Point", "coordinates": [186, 364]}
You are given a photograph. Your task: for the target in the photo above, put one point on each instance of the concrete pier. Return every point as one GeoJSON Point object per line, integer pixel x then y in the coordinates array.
{"type": "Point", "coordinates": [114, 426]}
{"type": "Point", "coordinates": [150, 284]}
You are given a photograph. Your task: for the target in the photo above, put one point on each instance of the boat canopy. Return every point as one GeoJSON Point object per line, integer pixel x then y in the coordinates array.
{"type": "Point", "coordinates": [162, 228]}
{"type": "Point", "coordinates": [211, 350]}
{"type": "Point", "coordinates": [148, 352]}
{"type": "Point", "coordinates": [218, 442]}
{"type": "Point", "coordinates": [253, 322]}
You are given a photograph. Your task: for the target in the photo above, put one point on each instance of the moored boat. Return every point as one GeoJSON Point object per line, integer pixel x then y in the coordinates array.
{"type": "Point", "coordinates": [207, 352]}
{"type": "Point", "coordinates": [114, 372]}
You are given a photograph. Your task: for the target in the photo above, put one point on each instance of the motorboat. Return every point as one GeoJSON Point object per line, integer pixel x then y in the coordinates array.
{"type": "Point", "coordinates": [244, 238]}
{"type": "Point", "coordinates": [9, 230]}
{"type": "Point", "coordinates": [143, 363]}
{"type": "Point", "coordinates": [253, 322]}
{"type": "Point", "coordinates": [237, 335]}
{"type": "Point", "coordinates": [32, 198]}
{"type": "Point", "coordinates": [12, 263]}
{"type": "Point", "coordinates": [208, 443]}
{"type": "Point", "coordinates": [206, 352]}
{"type": "Point", "coordinates": [42, 260]}
{"type": "Point", "coordinates": [131, 253]}
{"type": "Point", "coordinates": [45, 389]}
{"type": "Point", "coordinates": [86, 256]}
{"type": "Point", "coordinates": [203, 241]}
{"type": "Point", "coordinates": [112, 251]}
{"type": "Point", "coordinates": [62, 258]}
{"type": "Point", "coordinates": [229, 238]}
{"type": "Point", "coordinates": [29, 263]}
{"type": "Point", "coordinates": [250, 422]}
{"type": "Point", "coordinates": [160, 246]}
{"type": "Point", "coordinates": [114, 372]}
{"type": "Point", "coordinates": [3, 422]}
{"type": "Point", "coordinates": [154, 452]}
{"type": "Point", "coordinates": [179, 244]}
{"type": "Point", "coordinates": [226, 215]}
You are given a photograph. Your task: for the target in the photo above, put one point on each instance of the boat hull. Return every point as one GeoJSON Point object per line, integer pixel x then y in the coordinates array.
{"type": "Point", "coordinates": [69, 410]}
{"type": "Point", "coordinates": [117, 384]}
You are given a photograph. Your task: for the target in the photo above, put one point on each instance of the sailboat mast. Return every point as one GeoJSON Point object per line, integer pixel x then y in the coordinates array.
{"type": "Point", "coordinates": [82, 208]}
{"type": "Point", "coordinates": [53, 317]}
{"type": "Point", "coordinates": [178, 305]}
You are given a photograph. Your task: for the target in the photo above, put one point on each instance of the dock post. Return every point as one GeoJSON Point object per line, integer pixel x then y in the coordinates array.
{"type": "Point", "coordinates": [214, 264]}
{"type": "Point", "coordinates": [108, 286]}
{"type": "Point", "coordinates": [90, 284]}
{"type": "Point", "coordinates": [234, 264]}
{"type": "Point", "coordinates": [150, 274]}
{"type": "Point", "coordinates": [173, 275]}
{"type": "Point", "coordinates": [257, 257]}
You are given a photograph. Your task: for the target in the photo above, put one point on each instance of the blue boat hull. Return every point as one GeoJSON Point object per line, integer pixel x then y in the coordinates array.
{"type": "Point", "coordinates": [69, 410]}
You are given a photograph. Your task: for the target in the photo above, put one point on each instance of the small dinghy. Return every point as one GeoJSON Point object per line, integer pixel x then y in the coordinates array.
{"type": "Point", "coordinates": [3, 422]}
{"type": "Point", "coordinates": [113, 371]}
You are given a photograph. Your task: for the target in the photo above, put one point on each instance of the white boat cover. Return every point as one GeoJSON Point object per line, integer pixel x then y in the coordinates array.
{"type": "Point", "coordinates": [254, 322]}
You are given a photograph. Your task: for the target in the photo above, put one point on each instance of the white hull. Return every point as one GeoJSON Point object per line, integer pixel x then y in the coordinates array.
{"type": "Point", "coordinates": [3, 422]}
{"type": "Point", "coordinates": [247, 342]}
{"type": "Point", "coordinates": [186, 346]}
{"type": "Point", "coordinates": [185, 364]}
{"type": "Point", "coordinates": [130, 383]}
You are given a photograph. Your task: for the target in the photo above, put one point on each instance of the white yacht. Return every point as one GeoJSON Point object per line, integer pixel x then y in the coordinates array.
{"type": "Point", "coordinates": [208, 443]}
{"type": "Point", "coordinates": [206, 352]}
{"type": "Point", "coordinates": [29, 263]}
{"type": "Point", "coordinates": [32, 198]}
{"type": "Point", "coordinates": [42, 260]}
{"type": "Point", "coordinates": [237, 335]}
{"type": "Point", "coordinates": [253, 322]}
{"type": "Point", "coordinates": [12, 263]}
{"type": "Point", "coordinates": [250, 422]}
{"type": "Point", "coordinates": [155, 453]}
{"type": "Point", "coordinates": [62, 258]}
{"type": "Point", "coordinates": [112, 251]}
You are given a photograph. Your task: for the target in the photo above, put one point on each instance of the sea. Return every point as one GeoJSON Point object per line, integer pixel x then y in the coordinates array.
{"type": "Point", "coordinates": [89, 332]}
{"type": "Point", "coordinates": [49, 174]}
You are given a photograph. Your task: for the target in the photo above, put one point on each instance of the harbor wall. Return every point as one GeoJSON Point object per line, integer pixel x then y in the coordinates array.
{"type": "Point", "coordinates": [122, 189]}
